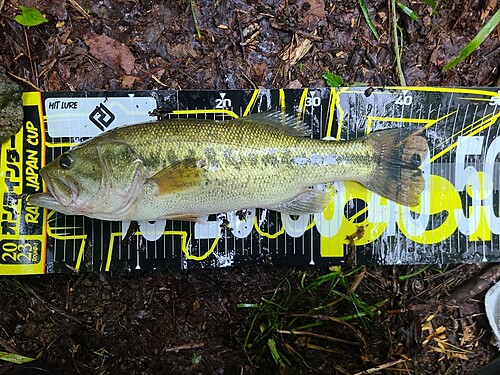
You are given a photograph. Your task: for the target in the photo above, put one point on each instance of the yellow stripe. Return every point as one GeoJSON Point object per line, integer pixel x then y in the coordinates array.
{"type": "Point", "coordinates": [331, 107]}
{"type": "Point", "coordinates": [282, 98]}
{"type": "Point", "coordinates": [455, 90]}
{"type": "Point", "coordinates": [254, 97]}
{"type": "Point", "coordinates": [60, 144]}
{"type": "Point", "coordinates": [428, 122]}
{"type": "Point", "coordinates": [201, 257]}
{"type": "Point", "coordinates": [52, 232]}
{"type": "Point", "coordinates": [450, 90]}
{"type": "Point", "coordinates": [184, 246]}
{"type": "Point", "coordinates": [358, 214]}
{"type": "Point", "coordinates": [478, 129]}
{"type": "Point", "coordinates": [302, 101]}
{"type": "Point", "coordinates": [264, 234]}
{"type": "Point", "coordinates": [340, 112]}
{"type": "Point", "coordinates": [32, 99]}
{"type": "Point", "coordinates": [476, 99]}
{"type": "Point", "coordinates": [465, 130]}
{"type": "Point", "coordinates": [204, 111]}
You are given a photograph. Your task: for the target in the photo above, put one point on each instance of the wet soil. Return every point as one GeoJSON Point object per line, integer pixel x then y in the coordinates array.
{"type": "Point", "coordinates": [190, 322]}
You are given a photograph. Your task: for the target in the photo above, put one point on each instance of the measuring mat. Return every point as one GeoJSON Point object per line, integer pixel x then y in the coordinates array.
{"type": "Point", "coordinates": [457, 221]}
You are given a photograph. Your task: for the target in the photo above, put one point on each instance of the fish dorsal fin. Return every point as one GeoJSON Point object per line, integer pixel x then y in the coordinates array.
{"type": "Point", "coordinates": [288, 123]}
{"type": "Point", "coordinates": [183, 175]}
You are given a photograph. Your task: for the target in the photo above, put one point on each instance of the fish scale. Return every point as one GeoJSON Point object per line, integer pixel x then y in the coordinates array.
{"type": "Point", "coordinates": [186, 168]}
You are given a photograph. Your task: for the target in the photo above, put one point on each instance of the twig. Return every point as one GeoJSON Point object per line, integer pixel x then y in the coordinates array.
{"type": "Point", "coordinates": [381, 367]}
{"type": "Point", "coordinates": [157, 80]}
{"type": "Point", "coordinates": [184, 347]}
{"type": "Point", "coordinates": [80, 10]}
{"type": "Point", "coordinates": [53, 308]}
{"type": "Point", "coordinates": [1, 4]}
{"type": "Point", "coordinates": [35, 75]}
{"type": "Point", "coordinates": [475, 285]}
{"type": "Point", "coordinates": [7, 346]}
{"type": "Point", "coordinates": [240, 28]}
{"type": "Point", "coordinates": [318, 336]}
{"type": "Point", "coordinates": [307, 35]}
{"type": "Point", "coordinates": [322, 348]}
{"type": "Point", "coordinates": [25, 81]}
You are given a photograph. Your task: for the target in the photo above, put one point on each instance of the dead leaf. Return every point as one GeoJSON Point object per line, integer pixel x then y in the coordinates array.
{"type": "Point", "coordinates": [296, 50]}
{"type": "Point", "coordinates": [128, 81]}
{"type": "Point", "coordinates": [294, 85]}
{"type": "Point", "coordinates": [110, 51]}
{"type": "Point", "coordinates": [314, 13]}
{"type": "Point", "coordinates": [490, 7]}
{"type": "Point", "coordinates": [436, 57]}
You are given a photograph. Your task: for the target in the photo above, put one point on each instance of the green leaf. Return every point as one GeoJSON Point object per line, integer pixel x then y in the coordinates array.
{"type": "Point", "coordinates": [14, 358]}
{"type": "Point", "coordinates": [30, 17]}
{"type": "Point", "coordinates": [408, 11]}
{"type": "Point", "coordinates": [364, 9]}
{"type": "Point", "coordinates": [431, 3]}
{"type": "Point", "coordinates": [333, 80]}
{"type": "Point", "coordinates": [476, 42]}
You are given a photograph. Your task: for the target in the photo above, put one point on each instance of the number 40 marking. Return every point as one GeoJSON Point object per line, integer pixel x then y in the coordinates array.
{"type": "Point", "coordinates": [404, 100]}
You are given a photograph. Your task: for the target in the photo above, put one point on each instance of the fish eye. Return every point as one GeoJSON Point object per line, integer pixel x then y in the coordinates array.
{"type": "Point", "coordinates": [66, 160]}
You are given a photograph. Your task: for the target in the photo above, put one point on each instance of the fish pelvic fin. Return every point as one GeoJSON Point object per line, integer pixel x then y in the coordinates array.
{"type": "Point", "coordinates": [397, 175]}
{"type": "Point", "coordinates": [183, 175]}
{"type": "Point", "coordinates": [309, 202]}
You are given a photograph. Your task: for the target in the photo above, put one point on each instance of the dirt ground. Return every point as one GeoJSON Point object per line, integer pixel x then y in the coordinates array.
{"type": "Point", "coordinates": [190, 322]}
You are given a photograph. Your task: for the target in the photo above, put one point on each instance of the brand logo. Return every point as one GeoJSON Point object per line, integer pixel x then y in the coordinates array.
{"type": "Point", "coordinates": [102, 117]}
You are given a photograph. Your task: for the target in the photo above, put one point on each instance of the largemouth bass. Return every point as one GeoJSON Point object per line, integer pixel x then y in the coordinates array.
{"type": "Point", "coordinates": [186, 168]}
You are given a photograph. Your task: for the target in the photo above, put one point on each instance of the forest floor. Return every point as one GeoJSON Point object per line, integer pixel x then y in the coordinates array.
{"type": "Point", "coordinates": [172, 322]}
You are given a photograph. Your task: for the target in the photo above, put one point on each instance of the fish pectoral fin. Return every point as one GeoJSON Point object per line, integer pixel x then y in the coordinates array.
{"type": "Point", "coordinates": [309, 202]}
{"type": "Point", "coordinates": [180, 176]}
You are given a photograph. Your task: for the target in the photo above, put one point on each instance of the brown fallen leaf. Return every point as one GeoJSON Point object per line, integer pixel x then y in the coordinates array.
{"type": "Point", "coordinates": [296, 50]}
{"type": "Point", "coordinates": [314, 12]}
{"type": "Point", "coordinates": [110, 51]}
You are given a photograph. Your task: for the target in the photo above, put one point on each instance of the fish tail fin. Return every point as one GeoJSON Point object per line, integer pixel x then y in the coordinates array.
{"type": "Point", "coordinates": [397, 175]}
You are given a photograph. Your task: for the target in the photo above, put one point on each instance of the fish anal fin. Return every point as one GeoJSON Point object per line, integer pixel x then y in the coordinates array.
{"type": "Point", "coordinates": [200, 219]}
{"type": "Point", "coordinates": [309, 202]}
{"type": "Point", "coordinates": [183, 175]}
{"type": "Point", "coordinates": [287, 123]}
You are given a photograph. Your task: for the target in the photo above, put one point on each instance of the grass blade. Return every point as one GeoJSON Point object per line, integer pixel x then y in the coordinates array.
{"type": "Point", "coordinates": [476, 42]}
{"type": "Point", "coordinates": [364, 9]}
{"type": "Point", "coordinates": [408, 11]}
{"type": "Point", "coordinates": [397, 49]}
{"type": "Point", "coordinates": [196, 27]}
{"type": "Point", "coordinates": [416, 273]}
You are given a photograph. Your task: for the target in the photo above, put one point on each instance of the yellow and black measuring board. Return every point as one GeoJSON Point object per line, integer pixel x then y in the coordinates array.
{"type": "Point", "coordinates": [457, 221]}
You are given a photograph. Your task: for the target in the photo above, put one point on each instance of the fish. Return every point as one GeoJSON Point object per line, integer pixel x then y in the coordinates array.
{"type": "Point", "coordinates": [186, 169]}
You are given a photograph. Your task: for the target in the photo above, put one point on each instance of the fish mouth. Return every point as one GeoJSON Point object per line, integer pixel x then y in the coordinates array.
{"type": "Point", "coordinates": [61, 192]}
